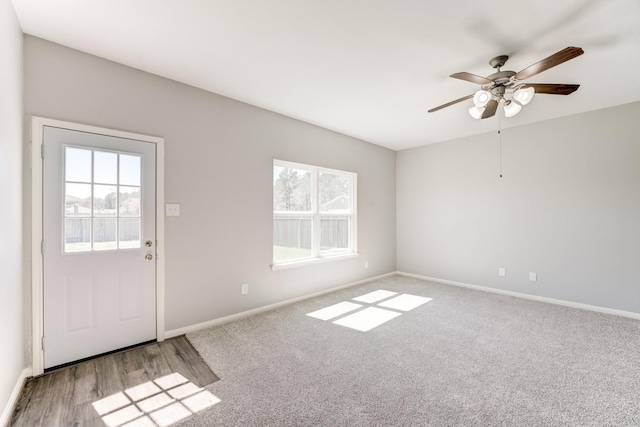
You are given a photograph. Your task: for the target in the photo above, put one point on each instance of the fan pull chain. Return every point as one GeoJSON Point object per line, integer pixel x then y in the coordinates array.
{"type": "Point", "coordinates": [500, 143]}
{"type": "Point", "coordinates": [500, 136]}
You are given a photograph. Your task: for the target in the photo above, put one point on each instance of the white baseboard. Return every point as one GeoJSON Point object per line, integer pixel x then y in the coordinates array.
{"type": "Point", "coordinates": [13, 399]}
{"type": "Point", "coordinates": [242, 315]}
{"type": "Point", "coordinates": [629, 314]}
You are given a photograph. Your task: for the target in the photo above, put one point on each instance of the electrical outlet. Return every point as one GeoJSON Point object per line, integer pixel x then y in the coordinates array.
{"type": "Point", "coordinates": [366, 264]}
{"type": "Point", "coordinates": [245, 288]}
{"type": "Point", "coordinates": [502, 272]}
{"type": "Point", "coordinates": [533, 277]}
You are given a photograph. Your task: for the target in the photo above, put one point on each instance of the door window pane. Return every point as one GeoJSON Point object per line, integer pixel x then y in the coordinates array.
{"type": "Point", "coordinates": [129, 233]}
{"type": "Point", "coordinates": [77, 165]}
{"type": "Point", "coordinates": [104, 233]}
{"type": "Point", "coordinates": [105, 167]}
{"type": "Point", "coordinates": [77, 234]}
{"type": "Point", "coordinates": [77, 200]}
{"type": "Point", "coordinates": [105, 202]}
{"type": "Point", "coordinates": [130, 201]}
{"type": "Point", "coordinates": [129, 169]}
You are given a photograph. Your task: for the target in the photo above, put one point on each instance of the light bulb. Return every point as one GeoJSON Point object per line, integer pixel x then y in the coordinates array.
{"type": "Point", "coordinates": [511, 109]}
{"type": "Point", "coordinates": [524, 95]}
{"type": "Point", "coordinates": [476, 112]}
{"type": "Point", "coordinates": [481, 98]}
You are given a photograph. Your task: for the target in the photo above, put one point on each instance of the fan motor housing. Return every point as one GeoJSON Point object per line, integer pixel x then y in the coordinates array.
{"type": "Point", "coordinates": [498, 91]}
{"type": "Point", "coordinates": [502, 77]}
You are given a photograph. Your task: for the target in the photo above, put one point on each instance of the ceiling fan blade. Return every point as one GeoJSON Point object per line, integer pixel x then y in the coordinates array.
{"type": "Point", "coordinates": [556, 59]}
{"type": "Point", "coordinates": [553, 89]}
{"type": "Point", "coordinates": [472, 78]}
{"type": "Point", "coordinates": [448, 104]}
{"type": "Point", "coordinates": [490, 109]}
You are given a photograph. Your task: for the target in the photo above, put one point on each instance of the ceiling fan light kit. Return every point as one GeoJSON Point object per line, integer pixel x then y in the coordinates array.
{"type": "Point", "coordinates": [508, 86]}
{"type": "Point", "coordinates": [481, 98]}
{"type": "Point", "coordinates": [476, 112]}
{"type": "Point", "coordinates": [511, 108]}
{"type": "Point", "coordinates": [524, 95]}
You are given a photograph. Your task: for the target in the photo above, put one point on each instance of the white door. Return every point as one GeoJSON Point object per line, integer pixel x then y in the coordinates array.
{"type": "Point", "coordinates": [99, 244]}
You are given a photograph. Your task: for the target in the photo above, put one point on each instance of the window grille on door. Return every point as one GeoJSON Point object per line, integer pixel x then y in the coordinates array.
{"type": "Point", "coordinates": [102, 209]}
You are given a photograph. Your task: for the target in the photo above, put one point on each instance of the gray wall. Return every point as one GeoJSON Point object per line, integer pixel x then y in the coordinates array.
{"type": "Point", "coordinates": [567, 208]}
{"type": "Point", "coordinates": [219, 155]}
{"type": "Point", "coordinates": [11, 284]}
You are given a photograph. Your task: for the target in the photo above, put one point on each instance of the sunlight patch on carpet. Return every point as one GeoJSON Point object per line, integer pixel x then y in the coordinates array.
{"type": "Point", "coordinates": [158, 403]}
{"type": "Point", "coordinates": [334, 310]}
{"type": "Point", "coordinates": [405, 302]}
{"type": "Point", "coordinates": [375, 296]}
{"type": "Point", "coordinates": [366, 317]}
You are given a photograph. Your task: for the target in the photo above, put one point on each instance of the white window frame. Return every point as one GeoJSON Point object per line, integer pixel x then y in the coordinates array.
{"type": "Point", "coordinates": [315, 213]}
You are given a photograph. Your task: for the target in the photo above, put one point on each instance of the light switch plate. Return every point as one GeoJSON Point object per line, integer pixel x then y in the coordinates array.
{"type": "Point", "coordinates": [172, 209]}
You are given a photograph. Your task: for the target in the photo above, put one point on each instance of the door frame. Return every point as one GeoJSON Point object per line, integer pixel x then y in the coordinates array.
{"type": "Point", "coordinates": [37, 258]}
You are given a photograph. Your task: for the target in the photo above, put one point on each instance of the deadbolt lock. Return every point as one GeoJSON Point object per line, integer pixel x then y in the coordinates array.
{"type": "Point", "coordinates": [148, 243]}
{"type": "Point", "coordinates": [148, 257]}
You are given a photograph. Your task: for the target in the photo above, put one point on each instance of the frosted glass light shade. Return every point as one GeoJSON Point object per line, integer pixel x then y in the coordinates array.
{"type": "Point", "coordinates": [481, 98]}
{"type": "Point", "coordinates": [511, 109]}
{"type": "Point", "coordinates": [524, 95]}
{"type": "Point", "coordinates": [476, 112]}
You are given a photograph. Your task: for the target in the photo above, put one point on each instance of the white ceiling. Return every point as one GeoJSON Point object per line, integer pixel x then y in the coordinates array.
{"type": "Point", "coordinates": [366, 68]}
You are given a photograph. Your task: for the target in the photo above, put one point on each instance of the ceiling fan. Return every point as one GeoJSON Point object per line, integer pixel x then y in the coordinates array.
{"type": "Point", "coordinates": [508, 86]}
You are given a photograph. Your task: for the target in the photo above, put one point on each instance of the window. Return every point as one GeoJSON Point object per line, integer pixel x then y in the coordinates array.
{"type": "Point", "coordinates": [102, 200]}
{"type": "Point", "coordinates": [314, 213]}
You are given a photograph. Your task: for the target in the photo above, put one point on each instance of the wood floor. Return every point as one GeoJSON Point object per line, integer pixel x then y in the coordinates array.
{"type": "Point", "coordinates": [66, 397]}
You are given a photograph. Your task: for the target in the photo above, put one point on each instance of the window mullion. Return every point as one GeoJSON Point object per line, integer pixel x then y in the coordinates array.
{"type": "Point", "coordinates": [118, 202]}
{"type": "Point", "coordinates": [353, 215]}
{"type": "Point", "coordinates": [315, 206]}
{"type": "Point", "coordinates": [91, 210]}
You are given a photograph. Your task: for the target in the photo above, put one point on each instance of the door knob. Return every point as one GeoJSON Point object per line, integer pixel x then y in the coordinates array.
{"type": "Point", "coordinates": [148, 257]}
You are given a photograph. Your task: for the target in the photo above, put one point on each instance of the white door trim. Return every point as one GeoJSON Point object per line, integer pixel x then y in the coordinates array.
{"type": "Point", "coordinates": [37, 296]}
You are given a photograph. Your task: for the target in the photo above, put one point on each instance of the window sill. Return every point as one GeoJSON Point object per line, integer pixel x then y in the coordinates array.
{"type": "Point", "coordinates": [313, 261]}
